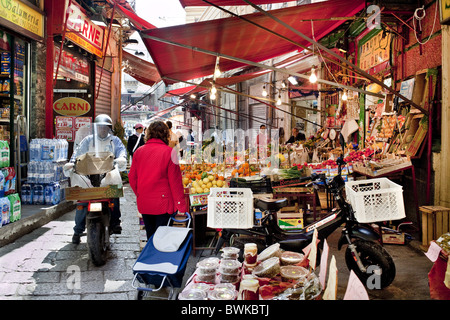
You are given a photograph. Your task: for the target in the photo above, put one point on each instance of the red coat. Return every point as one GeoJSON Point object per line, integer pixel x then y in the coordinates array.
{"type": "Point", "coordinates": [156, 179]}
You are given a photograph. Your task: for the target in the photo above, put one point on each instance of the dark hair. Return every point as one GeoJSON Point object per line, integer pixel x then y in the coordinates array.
{"type": "Point", "coordinates": [169, 124]}
{"type": "Point", "coordinates": [157, 130]}
{"type": "Point", "coordinates": [263, 125]}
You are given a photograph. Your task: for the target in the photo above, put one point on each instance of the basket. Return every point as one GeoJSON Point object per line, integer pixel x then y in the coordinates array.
{"type": "Point", "coordinates": [262, 185]}
{"type": "Point", "coordinates": [375, 200]}
{"type": "Point", "coordinates": [230, 208]}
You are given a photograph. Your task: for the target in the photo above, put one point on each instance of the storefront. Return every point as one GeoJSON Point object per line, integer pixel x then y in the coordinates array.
{"type": "Point", "coordinates": [80, 87]}
{"type": "Point", "coordinates": [21, 31]}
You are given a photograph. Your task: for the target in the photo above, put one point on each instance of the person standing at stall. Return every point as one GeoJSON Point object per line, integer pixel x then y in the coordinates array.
{"type": "Point", "coordinates": [155, 177]}
{"type": "Point", "coordinates": [296, 136]}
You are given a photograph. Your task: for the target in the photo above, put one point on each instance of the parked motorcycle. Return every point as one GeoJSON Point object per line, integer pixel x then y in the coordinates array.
{"type": "Point", "coordinates": [364, 254]}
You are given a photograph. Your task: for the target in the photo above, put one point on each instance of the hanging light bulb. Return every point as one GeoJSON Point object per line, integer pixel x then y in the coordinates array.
{"type": "Point", "coordinates": [212, 96]}
{"type": "Point", "coordinates": [213, 90]}
{"type": "Point", "coordinates": [193, 96]}
{"type": "Point", "coordinates": [264, 93]}
{"type": "Point", "coordinates": [217, 72]}
{"type": "Point", "coordinates": [344, 96]}
{"type": "Point", "coordinates": [313, 77]}
{"type": "Point", "coordinates": [279, 100]}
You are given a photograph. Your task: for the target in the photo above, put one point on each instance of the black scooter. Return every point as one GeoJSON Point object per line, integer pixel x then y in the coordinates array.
{"type": "Point", "coordinates": [364, 254]}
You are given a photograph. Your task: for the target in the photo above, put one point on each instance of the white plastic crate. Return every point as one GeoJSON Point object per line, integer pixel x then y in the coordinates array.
{"type": "Point", "coordinates": [230, 208]}
{"type": "Point", "coordinates": [375, 200]}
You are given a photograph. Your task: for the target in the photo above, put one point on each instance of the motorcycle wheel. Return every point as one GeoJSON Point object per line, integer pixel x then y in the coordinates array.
{"type": "Point", "coordinates": [96, 242]}
{"type": "Point", "coordinates": [372, 254]}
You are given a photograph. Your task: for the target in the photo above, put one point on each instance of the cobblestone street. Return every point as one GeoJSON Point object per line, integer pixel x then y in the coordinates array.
{"type": "Point", "coordinates": [44, 264]}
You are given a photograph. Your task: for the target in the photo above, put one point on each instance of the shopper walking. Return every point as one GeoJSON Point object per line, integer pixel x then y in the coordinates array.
{"type": "Point", "coordinates": [136, 140]}
{"type": "Point", "coordinates": [155, 178]}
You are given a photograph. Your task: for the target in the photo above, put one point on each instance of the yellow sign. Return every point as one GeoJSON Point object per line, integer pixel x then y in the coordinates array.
{"type": "Point", "coordinates": [445, 11]}
{"type": "Point", "coordinates": [20, 14]}
{"type": "Point", "coordinates": [374, 51]}
{"type": "Point", "coordinates": [71, 106]}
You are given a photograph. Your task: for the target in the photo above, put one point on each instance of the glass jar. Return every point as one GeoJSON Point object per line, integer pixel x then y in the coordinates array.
{"type": "Point", "coordinates": [249, 290]}
{"type": "Point", "coordinates": [250, 253]}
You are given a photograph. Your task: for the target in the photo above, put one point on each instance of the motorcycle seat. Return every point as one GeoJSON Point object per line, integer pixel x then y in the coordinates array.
{"type": "Point", "coordinates": [267, 204]}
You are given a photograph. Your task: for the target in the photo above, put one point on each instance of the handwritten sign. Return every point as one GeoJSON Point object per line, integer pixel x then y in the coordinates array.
{"type": "Point", "coordinates": [433, 251]}
{"type": "Point", "coordinates": [331, 290]}
{"type": "Point", "coordinates": [324, 263]}
{"type": "Point", "coordinates": [355, 289]}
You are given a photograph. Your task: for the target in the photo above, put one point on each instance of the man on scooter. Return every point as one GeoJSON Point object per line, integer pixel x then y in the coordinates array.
{"type": "Point", "coordinates": [105, 141]}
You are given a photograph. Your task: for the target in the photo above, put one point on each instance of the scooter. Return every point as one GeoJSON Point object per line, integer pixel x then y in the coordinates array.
{"type": "Point", "coordinates": [98, 211]}
{"type": "Point", "coordinates": [364, 254]}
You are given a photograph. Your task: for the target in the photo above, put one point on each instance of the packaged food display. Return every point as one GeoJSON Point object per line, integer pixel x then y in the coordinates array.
{"type": "Point", "coordinates": [289, 273]}
{"type": "Point", "coordinates": [192, 294]}
{"type": "Point", "coordinates": [248, 290]}
{"type": "Point", "coordinates": [222, 294]}
{"type": "Point", "coordinates": [202, 286]}
{"type": "Point", "coordinates": [230, 253]}
{"type": "Point", "coordinates": [268, 268]}
{"type": "Point", "coordinates": [250, 253]}
{"type": "Point", "coordinates": [229, 266]}
{"type": "Point", "coordinates": [272, 251]}
{"type": "Point", "coordinates": [291, 257]}
{"type": "Point", "coordinates": [208, 266]}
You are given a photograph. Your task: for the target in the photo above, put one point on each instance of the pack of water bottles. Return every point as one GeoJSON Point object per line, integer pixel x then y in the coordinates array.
{"type": "Point", "coordinates": [10, 209]}
{"type": "Point", "coordinates": [49, 150]}
{"type": "Point", "coordinates": [45, 177]}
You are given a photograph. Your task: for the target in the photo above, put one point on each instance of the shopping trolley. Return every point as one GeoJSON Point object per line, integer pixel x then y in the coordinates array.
{"type": "Point", "coordinates": [162, 262]}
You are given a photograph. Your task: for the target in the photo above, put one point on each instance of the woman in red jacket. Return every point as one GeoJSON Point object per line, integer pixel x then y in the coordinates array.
{"type": "Point", "coordinates": [155, 178]}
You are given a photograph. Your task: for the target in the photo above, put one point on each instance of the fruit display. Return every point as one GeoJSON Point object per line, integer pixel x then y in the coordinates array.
{"type": "Point", "coordinates": [200, 178]}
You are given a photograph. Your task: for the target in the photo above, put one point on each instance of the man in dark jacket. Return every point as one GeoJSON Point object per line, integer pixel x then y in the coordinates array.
{"type": "Point", "coordinates": [136, 140]}
{"type": "Point", "coordinates": [296, 136]}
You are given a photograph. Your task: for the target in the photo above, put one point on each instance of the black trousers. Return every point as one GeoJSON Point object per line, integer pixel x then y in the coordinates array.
{"type": "Point", "coordinates": [153, 221]}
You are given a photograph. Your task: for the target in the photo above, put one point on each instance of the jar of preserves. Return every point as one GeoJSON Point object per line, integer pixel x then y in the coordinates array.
{"type": "Point", "coordinates": [249, 289]}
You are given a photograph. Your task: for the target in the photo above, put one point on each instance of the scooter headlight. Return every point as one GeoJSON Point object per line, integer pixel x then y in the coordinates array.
{"type": "Point", "coordinates": [95, 206]}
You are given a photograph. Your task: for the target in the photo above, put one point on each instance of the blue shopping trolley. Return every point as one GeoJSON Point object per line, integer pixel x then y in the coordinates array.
{"type": "Point", "coordinates": [162, 262]}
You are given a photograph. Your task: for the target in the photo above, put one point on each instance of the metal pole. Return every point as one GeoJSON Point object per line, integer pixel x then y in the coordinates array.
{"type": "Point", "coordinates": [106, 49]}
{"type": "Point", "coordinates": [358, 70]}
{"type": "Point", "coordinates": [63, 37]}
{"type": "Point", "coordinates": [256, 64]}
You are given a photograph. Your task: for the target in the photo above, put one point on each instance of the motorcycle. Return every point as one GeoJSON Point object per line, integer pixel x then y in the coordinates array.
{"type": "Point", "coordinates": [364, 254]}
{"type": "Point", "coordinates": [92, 170]}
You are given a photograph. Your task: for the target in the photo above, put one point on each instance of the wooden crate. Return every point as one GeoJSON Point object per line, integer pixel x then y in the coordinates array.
{"type": "Point", "coordinates": [435, 222]}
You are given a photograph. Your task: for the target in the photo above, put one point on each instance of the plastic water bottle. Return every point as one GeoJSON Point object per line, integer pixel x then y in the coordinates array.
{"type": "Point", "coordinates": [49, 192]}
{"type": "Point", "coordinates": [49, 172]}
{"type": "Point", "coordinates": [31, 172]}
{"type": "Point", "coordinates": [5, 208]}
{"type": "Point", "coordinates": [2, 184]}
{"type": "Point", "coordinates": [26, 194]}
{"type": "Point", "coordinates": [38, 194]}
{"type": "Point", "coordinates": [57, 193]}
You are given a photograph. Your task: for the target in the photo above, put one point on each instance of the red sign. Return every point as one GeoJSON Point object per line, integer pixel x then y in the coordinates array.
{"type": "Point", "coordinates": [83, 31]}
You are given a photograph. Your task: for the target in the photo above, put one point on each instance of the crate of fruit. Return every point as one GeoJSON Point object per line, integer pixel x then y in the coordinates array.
{"type": "Point", "coordinates": [230, 208]}
{"type": "Point", "coordinates": [375, 200]}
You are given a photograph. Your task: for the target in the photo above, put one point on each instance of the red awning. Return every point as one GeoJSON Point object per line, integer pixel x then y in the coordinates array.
{"type": "Point", "coordinates": [199, 3]}
{"type": "Point", "coordinates": [138, 22]}
{"type": "Point", "coordinates": [237, 38]}
{"type": "Point", "coordinates": [143, 71]}
{"type": "Point", "coordinates": [184, 91]}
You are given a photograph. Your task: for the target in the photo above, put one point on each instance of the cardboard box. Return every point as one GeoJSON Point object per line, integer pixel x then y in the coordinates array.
{"type": "Point", "coordinates": [290, 218]}
{"type": "Point", "coordinates": [77, 193]}
{"type": "Point", "coordinates": [393, 238]}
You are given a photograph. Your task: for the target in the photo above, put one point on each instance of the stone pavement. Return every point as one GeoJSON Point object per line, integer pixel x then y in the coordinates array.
{"type": "Point", "coordinates": [45, 265]}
